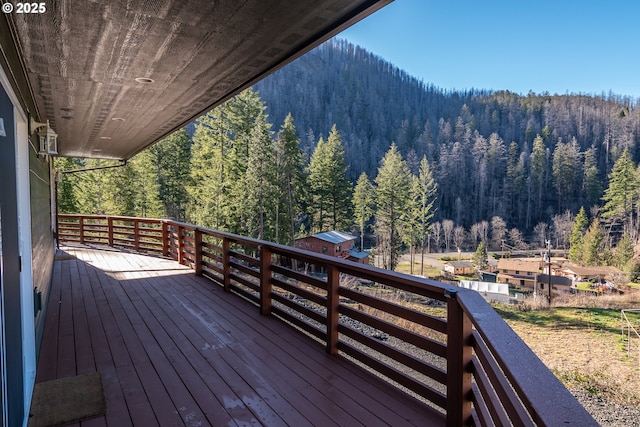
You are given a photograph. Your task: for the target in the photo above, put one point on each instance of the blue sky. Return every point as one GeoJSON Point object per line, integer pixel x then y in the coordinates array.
{"type": "Point", "coordinates": [559, 46]}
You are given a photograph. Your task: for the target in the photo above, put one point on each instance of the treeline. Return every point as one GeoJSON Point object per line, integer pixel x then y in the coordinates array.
{"type": "Point", "coordinates": [237, 175]}
{"type": "Point", "coordinates": [443, 179]}
{"type": "Point", "coordinates": [522, 158]}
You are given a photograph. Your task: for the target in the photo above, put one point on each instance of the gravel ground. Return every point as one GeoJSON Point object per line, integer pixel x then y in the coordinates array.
{"type": "Point", "coordinates": [606, 413]}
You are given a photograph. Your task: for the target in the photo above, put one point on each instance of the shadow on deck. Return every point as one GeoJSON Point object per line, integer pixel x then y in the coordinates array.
{"type": "Point", "coordinates": [174, 349]}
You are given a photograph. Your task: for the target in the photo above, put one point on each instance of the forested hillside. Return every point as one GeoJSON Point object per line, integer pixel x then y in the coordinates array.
{"type": "Point", "coordinates": [523, 158]}
{"type": "Point", "coordinates": [342, 140]}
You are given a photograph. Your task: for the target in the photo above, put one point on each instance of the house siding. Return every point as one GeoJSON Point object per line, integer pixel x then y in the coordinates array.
{"type": "Point", "coordinates": [43, 248]}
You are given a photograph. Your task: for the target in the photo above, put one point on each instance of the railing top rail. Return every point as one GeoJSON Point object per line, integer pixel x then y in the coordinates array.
{"type": "Point", "coordinates": [545, 397]}
{"type": "Point", "coordinates": [406, 282]}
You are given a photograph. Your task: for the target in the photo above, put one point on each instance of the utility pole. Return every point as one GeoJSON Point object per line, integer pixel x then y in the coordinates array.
{"type": "Point", "coordinates": [549, 267]}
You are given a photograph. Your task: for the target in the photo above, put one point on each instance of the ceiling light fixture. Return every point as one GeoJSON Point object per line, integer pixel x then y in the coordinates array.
{"type": "Point", "coordinates": [47, 137]}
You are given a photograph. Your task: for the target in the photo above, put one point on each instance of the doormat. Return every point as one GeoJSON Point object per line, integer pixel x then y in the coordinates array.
{"type": "Point", "coordinates": [67, 400]}
{"type": "Point", "coordinates": [62, 256]}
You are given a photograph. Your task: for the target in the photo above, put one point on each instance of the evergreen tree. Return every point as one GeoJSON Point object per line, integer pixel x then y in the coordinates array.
{"type": "Point", "coordinates": [209, 185]}
{"type": "Point", "coordinates": [243, 112]}
{"type": "Point", "coordinates": [94, 191]}
{"type": "Point", "coordinates": [392, 197]}
{"type": "Point", "coordinates": [147, 198]}
{"type": "Point", "coordinates": [425, 189]}
{"type": "Point", "coordinates": [537, 180]}
{"type": "Point", "coordinates": [329, 185]}
{"type": "Point", "coordinates": [566, 170]}
{"type": "Point", "coordinates": [67, 200]}
{"type": "Point", "coordinates": [480, 258]}
{"type": "Point", "coordinates": [363, 204]}
{"type": "Point", "coordinates": [580, 222]}
{"type": "Point", "coordinates": [622, 194]}
{"type": "Point", "coordinates": [624, 252]}
{"type": "Point", "coordinates": [260, 191]}
{"type": "Point", "coordinates": [290, 182]}
{"type": "Point", "coordinates": [591, 187]}
{"type": "Point", "coordinates": [592, 244]}
{"type": "Point", "coordinates": [171, 161]}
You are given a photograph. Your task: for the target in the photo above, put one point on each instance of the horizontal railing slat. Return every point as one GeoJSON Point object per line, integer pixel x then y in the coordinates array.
{"type": "Point", "coordinates": [419, 341]}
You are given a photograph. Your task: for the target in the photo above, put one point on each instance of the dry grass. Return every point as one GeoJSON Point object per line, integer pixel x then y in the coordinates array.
{"type": "Point", "coordinates": [579, 338]}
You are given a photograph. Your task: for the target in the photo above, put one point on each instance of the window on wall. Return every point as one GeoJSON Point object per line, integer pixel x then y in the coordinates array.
{"type": "Point", "coordinates": [325, 250]}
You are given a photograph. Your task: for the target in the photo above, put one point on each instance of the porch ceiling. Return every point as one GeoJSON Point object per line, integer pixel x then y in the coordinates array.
{"type": "Point", "coordinates": [82, 58]}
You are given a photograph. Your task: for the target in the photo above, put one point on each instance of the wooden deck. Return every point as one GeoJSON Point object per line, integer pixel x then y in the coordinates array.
{"type": "Point", "coordinates": [175, 349]}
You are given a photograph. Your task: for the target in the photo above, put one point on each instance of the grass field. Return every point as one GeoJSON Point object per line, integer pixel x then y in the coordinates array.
{"type": "Point", "coordinates": [581, 341]}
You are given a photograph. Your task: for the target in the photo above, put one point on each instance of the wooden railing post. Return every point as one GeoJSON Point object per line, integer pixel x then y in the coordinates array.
{"type": "Point", "coordinates": [459, 353]}
{"type": "Point", "coordinates": [226, 264]}
{"type": "Point", "coordinates": [180, 257]}
{"type": "Point", "coordinates": [333, 285]}
{"type": "Point", "coordinates": [136, 234]}
{"type": "Point", "coordinates": [265, 280]}
{"type": "Point", "coordinates": [197, 235]}
{"type": "Point", "coordinates": [165, 238]}
{"type": "Point", "coordinates": [110, 230]}
{"type": "Point", "coordinates": [81, 229]}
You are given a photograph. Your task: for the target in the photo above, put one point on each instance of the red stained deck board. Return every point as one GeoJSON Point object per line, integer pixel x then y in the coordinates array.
{"type": "Point", "coordinates": [175, 349]}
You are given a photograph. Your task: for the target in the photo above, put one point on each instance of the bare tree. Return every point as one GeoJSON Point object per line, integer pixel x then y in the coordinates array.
{"type": "Point", "coordinates": [459, 236]}
{"type": "Point", "coordinates": [484, 229]}
{"type": "Point", "coordinates": [562, 226]}
{"type": "Point", "coordinates": [436, 234]}
{"type": "Point", "coordinates": [516, 239]}
{"type": "Point", "coordinates": [475, 234]}
{"type": "Point", "coordinates": [540, 233]}
{"type": "Point", "coordinates": [447, 230]}
{"type": "Point", "coordinates": [498, 231]}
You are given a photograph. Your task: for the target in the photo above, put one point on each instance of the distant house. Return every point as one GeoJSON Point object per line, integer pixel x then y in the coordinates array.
{"type": "Point", "coordinates": [519, 272]}
{"type": "Point", "coordinates": [584, 274]}
{"type": "Point", "coordinates": [334, 243]}
{"type": "Point", "coordinates": [558, 283]}
{"type": "Point", "coordinates": [458, 268]}
{"type": "Point", "coordinates": [532, 274]}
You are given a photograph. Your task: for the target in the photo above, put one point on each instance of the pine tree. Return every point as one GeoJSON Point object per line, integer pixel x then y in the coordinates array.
{"type": "Point", "coordinates": [592, 244]}
{"type": "Point", "coordinates": [623, 193]}
{"type": "Point", "coordinates": [208, 187]}
{"type": "Point", "coordinates": [537, 181]}
{"type": "Point", "coordinates": [624, 251]}
{"type": "Point", "coordinates": [566, 171]}
{"type": "Point", "coordinates": [260, 192]}
{"type": "Point", "coordinates": [171, 161]}
{"type": "Point", "coordinates": [576, 240]}
{"type": "Point", "coordinates": [147, 196]}
{"type": "Point", "coordinates": [67, 200]}
{"type": "Point", "coordinates": [392, 196]}
{"type": "Point", "coordinates": [480, 258]}
{"type": "Point", "coordinates": [290, 182]}
{"type": "Point", "coordinates": [425, 190]}
{"type": "Point", "coordinates": [329, 185]}
{"type": "Point", "coordinates": [243, 112]}
{"type": "Point", "coordinates": [363, 204]}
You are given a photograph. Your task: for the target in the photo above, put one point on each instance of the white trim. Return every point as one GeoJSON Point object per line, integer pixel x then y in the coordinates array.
{"type": "Point", "coordinates": [23, 189]}
{"type": "Point", "coordinates": [3, 365]}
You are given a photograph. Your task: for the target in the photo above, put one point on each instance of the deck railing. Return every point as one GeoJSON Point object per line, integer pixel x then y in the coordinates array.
{"type": "Point", "coordinates": [442, 344]}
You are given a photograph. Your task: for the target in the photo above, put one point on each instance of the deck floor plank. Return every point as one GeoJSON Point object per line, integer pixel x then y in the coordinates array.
{"type": "Point", "coordinates": [175, 349]}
